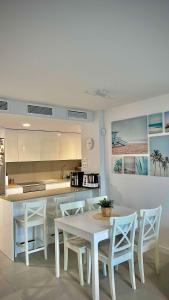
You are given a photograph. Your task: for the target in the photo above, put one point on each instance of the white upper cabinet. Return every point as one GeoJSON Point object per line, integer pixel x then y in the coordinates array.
{"type": "Point", "coordinates": [11, 145]}
{"type": "Point", "coordinates": [70, 146]}
{"type": "Point", "coordinates": [49, 146]}
{"type": "Point", "coordinates": [29, 145]}
{"type": "Point", "coordinates": [25, 145]}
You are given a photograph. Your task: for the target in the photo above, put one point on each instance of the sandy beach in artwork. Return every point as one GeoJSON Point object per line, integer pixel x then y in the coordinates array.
{"type": "Point", "coordinates": [137, 148]}
{"type": "Point", "coordinates": [154, 130]}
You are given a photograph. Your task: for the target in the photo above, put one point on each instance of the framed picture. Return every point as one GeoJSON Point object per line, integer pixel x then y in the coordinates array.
{"type": "Point", "coordinates": [155, 123]}
{"type": "Point", "coordinates": [117, 165]}
{"type": "Point", "coordinates": [141, 165]}
{"type": "Point", "coordinates": [166, 117]}
{"type": "Point", "coordinates": [129, 165]}
{"type": "Point", "coordinates": [130, 136]}
{"type": "Point", "coordinates": [159, 156]}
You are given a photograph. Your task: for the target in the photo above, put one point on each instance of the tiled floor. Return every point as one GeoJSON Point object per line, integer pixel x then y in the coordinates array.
{"type": "Point", "coordinates": [38, 281]}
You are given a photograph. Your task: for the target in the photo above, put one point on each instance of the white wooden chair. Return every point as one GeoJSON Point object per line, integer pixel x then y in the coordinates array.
{"type": "Point", "coordinates": [119, 249]}
{"type": "Point", "coordinates": [74, 243]}
{"type": "Point", "coordinates": [35, 215]}
{"type": "Point", "coordinates": [92, 203]}
{"type": "Point", "coordinates": [148, 237]}
{"type": "Point", "coordinates": [53, 209]}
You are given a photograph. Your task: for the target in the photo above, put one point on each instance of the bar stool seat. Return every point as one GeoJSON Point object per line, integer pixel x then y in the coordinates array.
{"type": "Point", "coordinates": [35, 216]}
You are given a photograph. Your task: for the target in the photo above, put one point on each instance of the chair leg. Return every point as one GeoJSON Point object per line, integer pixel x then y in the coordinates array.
{"type": "Point", "coordinates": [132, 273]}
{"type": "Point", "coordinates": [15, 229]}
{"type": "Point", "coordinates": [26, 246]}
{"type": "Point", "coordinates": [157, 263]}
{"type": "Point", "coordinates": [45, 240]}
{"type": "Point", "coordinates": [112, 282]}
{"type": "Point", "coordinates": [89, 265]}
{"type": "Point", "coordinates": [65, 257]}
{"type": "Point", "coordinates": [80, 266]}
{"type": "Point", "coordinates": [104, 269]}
{"type": "Point", "coordinates": [116, 268]}
{"type": "Point", "coordinates": [141, 266]}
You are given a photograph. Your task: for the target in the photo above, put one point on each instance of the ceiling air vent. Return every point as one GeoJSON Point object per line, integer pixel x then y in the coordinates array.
{"type": "Point", "coordinates": [40, 110]}
{"type": "Point", "coordinates": [3, 105]}
{"type": "Point", "coordinates": [73, 114]}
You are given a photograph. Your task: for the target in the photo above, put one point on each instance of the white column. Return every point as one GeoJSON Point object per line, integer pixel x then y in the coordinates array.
{"type": "Point", "coordinates": [102, 133]}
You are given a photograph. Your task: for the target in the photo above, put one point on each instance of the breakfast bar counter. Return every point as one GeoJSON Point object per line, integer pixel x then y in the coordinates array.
{"type": "Point", "coordinates": [12, 206]}
{"type": "Point", "coordinates": [45, 193]}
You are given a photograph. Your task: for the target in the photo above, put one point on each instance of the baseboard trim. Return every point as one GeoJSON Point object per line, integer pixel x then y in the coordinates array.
{"type": "Point", "coordinates": [164, 249]}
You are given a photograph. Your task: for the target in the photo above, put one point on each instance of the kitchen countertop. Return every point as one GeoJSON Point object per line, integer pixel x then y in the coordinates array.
{"type": "Point", "coordinates": [45, 193]}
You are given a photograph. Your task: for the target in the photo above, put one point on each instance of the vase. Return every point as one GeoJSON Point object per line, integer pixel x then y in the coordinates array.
{"type": "Point", "coordinates": [106, 211]}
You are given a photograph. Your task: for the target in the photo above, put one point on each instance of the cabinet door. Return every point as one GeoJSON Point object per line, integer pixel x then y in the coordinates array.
{"type": "Point", "coordinates": [29, 145]}
{"type": "Point", "coordinates": [11, 145]}
{"type": "Point", "coordinates": [70, 146]}
{"type": "Point", "coordinates": [49, 146]}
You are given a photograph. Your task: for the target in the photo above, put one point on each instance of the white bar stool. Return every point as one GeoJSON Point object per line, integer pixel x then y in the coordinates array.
{"type": "Point", "coordinates": [35, 215]}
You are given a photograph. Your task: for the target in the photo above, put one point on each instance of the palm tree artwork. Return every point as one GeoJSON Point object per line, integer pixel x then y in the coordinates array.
{"type": "Point", "coordinates": [161, 161]}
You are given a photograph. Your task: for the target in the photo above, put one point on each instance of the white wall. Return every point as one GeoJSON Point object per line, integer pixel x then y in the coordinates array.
{"type": "Point", "coordinates": [132, 190]}
{"type": "Point", "coordinates": [91, 157]}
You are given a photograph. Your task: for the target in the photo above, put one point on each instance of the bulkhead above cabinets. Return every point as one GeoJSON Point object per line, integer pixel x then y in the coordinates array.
{"type": "Point", "coordinates": [25, 145]}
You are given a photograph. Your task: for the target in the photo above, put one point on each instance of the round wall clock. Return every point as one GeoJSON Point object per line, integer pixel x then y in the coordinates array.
{"type": "Point", "coordinates": [89, 143]}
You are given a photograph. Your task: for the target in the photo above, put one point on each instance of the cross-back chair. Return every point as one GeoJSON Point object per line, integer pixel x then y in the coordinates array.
{"type": "Point", "coordinates": [34, 215]}
{"type": "Point", "coordinates": [119, 249]}
{"type": "Point", "coordinates": [148, 237]}
{"type": "Point", "coordinates": [92, 203]}
{"type": "Point", "coordinates": [74, 243]}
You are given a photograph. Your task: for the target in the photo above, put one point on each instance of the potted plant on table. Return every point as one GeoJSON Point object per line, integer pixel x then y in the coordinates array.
{"type": "Point", "coordinates": [106, 207]}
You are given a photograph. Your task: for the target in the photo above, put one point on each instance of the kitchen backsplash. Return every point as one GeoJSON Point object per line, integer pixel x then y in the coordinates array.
{"type": "Point", "coordinates": [40, 170]}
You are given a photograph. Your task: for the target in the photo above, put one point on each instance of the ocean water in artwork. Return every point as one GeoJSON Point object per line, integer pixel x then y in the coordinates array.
{"type": "Point", "coordinates": [166, 117]}
{"type": "Point", "coordinates": [141, 165]}
{"type": "Point", "coordinates": [155, 123]}
{"type": "Point", "coordinates": [159, 156]}
{"type": "Point", "coordinates": [129, 165]}
{"type": "Point", "coordinates": [117, 165]}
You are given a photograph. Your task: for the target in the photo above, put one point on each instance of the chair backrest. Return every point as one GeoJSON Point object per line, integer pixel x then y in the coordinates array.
{"type": "Point", "coordinates": [149, 224]}
{"type": "Point", "coordinates": [62, 199]}
{"type": "Point", "coordinates": [122, 234]}
{"type": "Point", "coordinates": [72, 208]}
{"type": "Point", "coordinates": [92, 203]}
{"type": "Point", "coordinates": [35, 209]}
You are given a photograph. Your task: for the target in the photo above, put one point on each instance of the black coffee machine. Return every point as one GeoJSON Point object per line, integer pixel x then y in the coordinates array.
{"type": "Point", "coordinates": [76, 179]}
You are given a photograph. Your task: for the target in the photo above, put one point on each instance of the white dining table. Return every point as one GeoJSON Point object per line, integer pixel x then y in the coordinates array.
{"type": "Point", "coordinates": [91, 229]}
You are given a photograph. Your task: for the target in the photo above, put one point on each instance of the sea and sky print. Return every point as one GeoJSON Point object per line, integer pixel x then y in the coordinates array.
{"type": "Point", "coordinates": [130, 151]}
{"type": "Point", "coordinates": [155, 123]}
{"type": "Point", "coordinates": [166, 117]}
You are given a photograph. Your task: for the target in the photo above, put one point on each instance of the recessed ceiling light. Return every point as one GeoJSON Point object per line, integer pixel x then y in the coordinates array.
{"type": "Point", "coordinates": [26, 125]}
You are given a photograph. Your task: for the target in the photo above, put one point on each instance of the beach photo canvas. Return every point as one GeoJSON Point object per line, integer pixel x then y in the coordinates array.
{"type": "Point", "coordinates": [117, 165]}
{"type": "Point", "coordinates": [166, 117]}
{"type": "Point", "coordinates": [159, 156]}
{"type": "Point", "coordinates": [130, 136]}
{"type": "Point", "coordinates": [141, 165]}
{"type": "Point", "coordinates": [155, 123]}
{"type": "Point", "coordinates": [129, 165]}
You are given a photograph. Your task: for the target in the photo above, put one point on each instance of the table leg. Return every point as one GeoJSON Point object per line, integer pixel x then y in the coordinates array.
{"type": "Point", "coordinates": [57, 252]}
{"type": "Point", "coordinates": [95, 269]}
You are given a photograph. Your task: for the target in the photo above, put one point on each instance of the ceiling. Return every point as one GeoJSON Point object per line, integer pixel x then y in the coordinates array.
{"type": "Point", "coordinates": [46, 124]}
{"type": "Point", "coordinates": [90, 54]}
